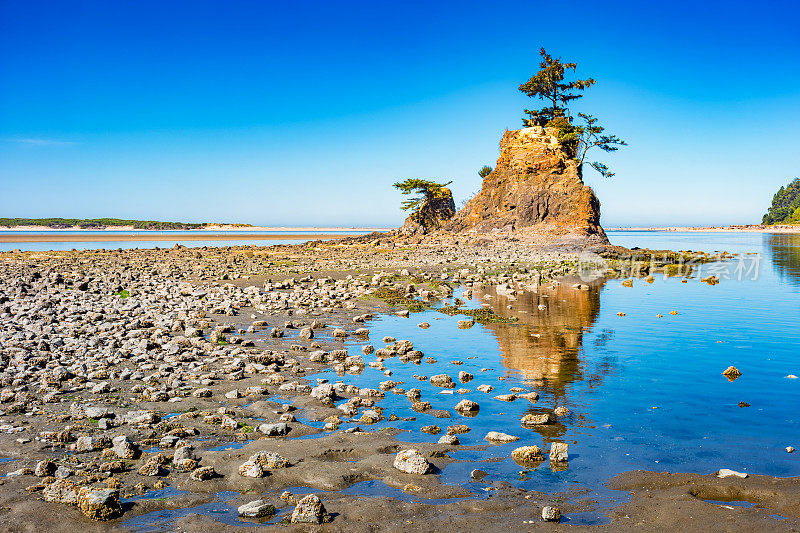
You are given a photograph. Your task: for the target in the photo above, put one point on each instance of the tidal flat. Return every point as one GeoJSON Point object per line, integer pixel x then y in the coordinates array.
{"type": "Point", "coordinates": [164, 389]}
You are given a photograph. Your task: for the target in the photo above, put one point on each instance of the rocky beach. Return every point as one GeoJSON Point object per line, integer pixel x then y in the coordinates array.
{"type": "Point", "coordinates": [145, 381]}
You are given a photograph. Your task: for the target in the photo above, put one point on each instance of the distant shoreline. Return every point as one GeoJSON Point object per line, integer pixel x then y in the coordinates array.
{"type": "Point", "coordinates": [177, 236]}
{"type": "Point", "coordinates": [208, 228]}
{"type": "Point", "coordinates": [721, 229]}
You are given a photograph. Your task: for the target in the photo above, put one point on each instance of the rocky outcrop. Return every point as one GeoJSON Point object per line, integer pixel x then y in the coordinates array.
{"type": "Point", "coordinates": [535, 190]}
{"type": "Point", "coordinates": [432, 214]}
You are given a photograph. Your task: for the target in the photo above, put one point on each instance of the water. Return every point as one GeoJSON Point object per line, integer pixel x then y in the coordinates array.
{"type": "Point", "coordinates": [644, 392]}
{"type": "Point", "coordinates": [79, 244]}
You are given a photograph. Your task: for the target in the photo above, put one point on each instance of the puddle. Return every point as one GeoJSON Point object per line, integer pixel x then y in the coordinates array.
{"type": "Point", "coordinates": [586, 518]}
{"type": "Point", "coordinates": [160, 494]}
{"type": "Point", "coordinates": [220, 510]}
{"type": "Point", "coordinates": [733, 503]}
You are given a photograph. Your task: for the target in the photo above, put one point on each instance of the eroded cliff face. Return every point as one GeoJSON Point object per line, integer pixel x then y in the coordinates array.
{"type": "Point", "coordinates": [432, 214]}
{"type": "Point", "coordinates": [536, 190]}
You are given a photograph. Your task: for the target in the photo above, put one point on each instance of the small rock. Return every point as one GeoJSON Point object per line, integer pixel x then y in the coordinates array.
{"type": "Point", "coordinates": [411, 462]}
{"type": "Point", "coordinates": [726, 472]}
{"type": "Point", "coordinates": [256, 509]}
{"type": "Point", "coordinates": [309, 510]}
{"type": "Point", "coordinates": [551, 514]}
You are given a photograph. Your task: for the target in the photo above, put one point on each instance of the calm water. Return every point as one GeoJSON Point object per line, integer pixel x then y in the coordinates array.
{"type": "Point", "coordinates": [114, 245]}
{"type": "Point", "coordinates": [643, 392]}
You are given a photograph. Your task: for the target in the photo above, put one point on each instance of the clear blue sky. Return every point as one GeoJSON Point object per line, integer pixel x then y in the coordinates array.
{"type": "Point", "coordinates": [306, 112]}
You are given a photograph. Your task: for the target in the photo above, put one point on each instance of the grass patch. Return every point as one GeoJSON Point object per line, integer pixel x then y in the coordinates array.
{"type": "Point", "coordinates": [397, 298]}
{"type": "Point", "coordinates": [481, 316]}
{"type": "Point", "coordinates": [123, 294]}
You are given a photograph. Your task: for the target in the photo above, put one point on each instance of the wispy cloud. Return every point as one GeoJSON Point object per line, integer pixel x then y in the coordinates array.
{"type": "Point", "coordinates": [40, 142]}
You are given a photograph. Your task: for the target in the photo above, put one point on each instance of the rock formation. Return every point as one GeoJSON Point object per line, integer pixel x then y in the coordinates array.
{"type": "Point", "coordinates": [432, 213]}
{"type": "Point", "coordinates": [536, 191]}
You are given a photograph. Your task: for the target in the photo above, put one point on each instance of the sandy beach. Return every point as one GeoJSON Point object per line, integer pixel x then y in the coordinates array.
{"type": "Point", "coordinates": [735, 229]}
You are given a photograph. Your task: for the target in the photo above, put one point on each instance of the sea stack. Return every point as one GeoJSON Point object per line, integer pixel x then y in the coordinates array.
{"type": "Point", "coordinates": [536, 192]}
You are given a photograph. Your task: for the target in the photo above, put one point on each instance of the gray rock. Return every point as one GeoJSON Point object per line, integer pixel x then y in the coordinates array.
{"type": "Point", "coordinates": [256, 509]}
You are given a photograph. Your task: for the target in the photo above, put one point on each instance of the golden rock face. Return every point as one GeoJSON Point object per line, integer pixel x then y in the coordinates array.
{"type": "Point", "coordinates": [534, 188]}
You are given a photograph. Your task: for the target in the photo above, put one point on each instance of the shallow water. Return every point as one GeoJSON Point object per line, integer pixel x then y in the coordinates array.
{"type": "Point", "coordinates": [79, 244]}
{"type": "Point", "coordinates": [643, 392]}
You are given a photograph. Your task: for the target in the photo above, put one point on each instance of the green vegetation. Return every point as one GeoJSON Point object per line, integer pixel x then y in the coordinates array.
{"type": "Point", "coordinates": [785, 208]}
{"type": "Point", "coordinates": [123, 294]}
{"type": "Point", "coordinates": [97, 223]}
{"type": "Point", "coordinates": [481, 316]}
{"type": "Point", "coordinates": [424, 189]}
{"type": "Point", "coordinates": [397, 297]}
{"type": "Point", "coordinates": [485, 171]}
{"type": "Point", "coordinates": [551, 86]}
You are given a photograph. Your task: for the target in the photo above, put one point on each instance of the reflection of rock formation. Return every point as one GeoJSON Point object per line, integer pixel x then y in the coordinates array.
{"type": "Point", "coordinates": [785, 251]}
{"type": "Point", "coordinates": [546, 342]}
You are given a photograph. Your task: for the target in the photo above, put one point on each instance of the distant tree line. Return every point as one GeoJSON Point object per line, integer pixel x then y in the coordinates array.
{"type": "Point", "coordinates": [785, 208]}
{"type": "Point", "coordinates": [97, 223]}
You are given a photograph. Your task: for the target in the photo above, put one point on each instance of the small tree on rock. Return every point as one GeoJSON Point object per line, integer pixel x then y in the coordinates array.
{"type": "Point", "coordinates": [485, 171]}
{"type": "Point", "coordinates": [425, 190]}
{"type": "Point", "coordinates": [549, 85]}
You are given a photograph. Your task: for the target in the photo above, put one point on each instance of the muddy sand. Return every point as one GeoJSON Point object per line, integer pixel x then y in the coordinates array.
{"type": "Point", "coordinates": [163, 389]}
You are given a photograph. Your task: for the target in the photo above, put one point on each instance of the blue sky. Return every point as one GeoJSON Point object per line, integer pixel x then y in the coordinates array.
{"type": "Point", "coordinates": [287, 113]}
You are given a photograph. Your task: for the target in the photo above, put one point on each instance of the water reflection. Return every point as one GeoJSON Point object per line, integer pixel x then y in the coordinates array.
{"type": "Point", "coordinates": [546, 344]}
{"type": "Point", "coordinates": [785, 252]}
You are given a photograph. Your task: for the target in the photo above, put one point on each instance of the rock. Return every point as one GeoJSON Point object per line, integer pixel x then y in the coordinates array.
{"type": "Point", "coordinates": [561, 411]}
{"type": "Point", "coordinates": [256, 509]}
{"type": "Point", "coordinates": [123, 448]}
{"type": "Point", "coordinates": [530, 420]}
{"type": "Point", "coordinates": [467, 407]}
{"type": "Point", "coordinates": [496, 436]}
{"type": "Point", "coordinates": [478, 475]}
{"type": "Point", "coordinates": [151, 467]}
{"type": "Point", "coordinates": [95, 412]}
{"type": "Point", "coordinates": [203, 473]}
{"type": "Point", "coordinates": [309, 510]}
{"type": "Point", "coordinates": [436, 208]}
{"type": "Point", "coordinates": [732, 373]}
{"type": "Point", "coordinates": [61, 491]}
{"type": "Point", "coordinates": [551, 514]}
{"type": "Point", "coordinates": [790, 449]}
{"type": "Point", "coordinates": [527, 455]}
{"type": "Point", "coordinates": [465, 377]}
{"type": "Point", "coordinates": [278, 429]}
{"type": "Point", "coordinates": [536, 187]}
{"type": "Point", "coordinates": [102, 504]}
{"type": "Point", "coordinates": [269, 460]}
{"type": "Point", "coordinates": [452, 440]}
{"type": "Point", "coordinates": [411, 462]}
{"type": "Point", "coordinates": [251, 468]}
{"type": "Point", "coordinates": [559, 452]}
{"type": "Point", "coordinates": [726, 472]}
{"type": "Point", "coordinates": [465, 324]}
{"type": "Point", "coordinates": [485, 388]}
{"type": "Point", "coordinates": [44, 469]}
{"type": "Point", "coordinates": [442, 380]}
